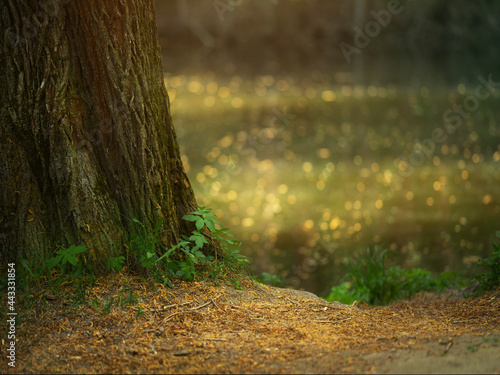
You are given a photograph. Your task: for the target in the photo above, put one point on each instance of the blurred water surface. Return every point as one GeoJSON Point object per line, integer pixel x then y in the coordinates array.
{"type": "Point", "coordinates": [306, 172]}
{"type": "Point", "coordinates": [310, 154]}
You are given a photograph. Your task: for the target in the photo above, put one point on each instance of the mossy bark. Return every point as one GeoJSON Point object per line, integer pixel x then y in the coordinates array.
{"type": "Point", "coordinates": [86, 137]}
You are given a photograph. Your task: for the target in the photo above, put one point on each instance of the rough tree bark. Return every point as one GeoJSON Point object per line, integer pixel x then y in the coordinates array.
{"type": "Point", "coordinates": [86, 137]}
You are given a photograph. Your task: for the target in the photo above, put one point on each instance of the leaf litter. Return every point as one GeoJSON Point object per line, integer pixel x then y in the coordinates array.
{"type": "Point", "coordinates": [197, 327]}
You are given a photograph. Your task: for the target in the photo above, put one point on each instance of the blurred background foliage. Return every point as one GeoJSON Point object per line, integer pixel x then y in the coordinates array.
{"type": "Point", "coordinates": [285, 36]}
{"type": "Point", "coordinates": [296, 149]}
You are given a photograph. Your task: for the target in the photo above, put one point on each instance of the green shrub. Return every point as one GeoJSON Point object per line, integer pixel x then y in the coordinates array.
{"type": "Point", "coordinates": [345, 294]}
{"type": "Point", "coordinates": [66, 258]}
{"type": "Point", "coordinates": [231, 263]}
{"type": "Point", "coordinates": [186, 259]}
{"type": "Point", "coordinates": [116, 263]}
{"type": "Point", "coordinates": [370, 281]}
{"type": "Point", "coordinates": [490, 279]}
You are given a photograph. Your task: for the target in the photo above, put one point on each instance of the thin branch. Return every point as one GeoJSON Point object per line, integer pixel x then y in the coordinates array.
{"type": "Point", "coordinates": [179, 312]}
{"type": "Point", "coordinates": [199, 307]}
{"type": "Point", "coordinates": [334, 321]}
{"type": "Point", "coordinates": [292, 301]}
{"type": "Point", "coordinates": [215, 303]}
{"type": "Point", "coordinates": [164, 308]}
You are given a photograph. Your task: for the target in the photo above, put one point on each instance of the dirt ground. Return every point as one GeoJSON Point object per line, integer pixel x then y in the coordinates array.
{"type": "Point", "coordinates": [127, 325]}
{"type": "Point", "coordinates": [467, 354]}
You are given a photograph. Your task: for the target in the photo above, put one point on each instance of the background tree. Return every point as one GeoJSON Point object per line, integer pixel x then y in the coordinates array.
{"type": "Point", "coordinates": [87, 141]}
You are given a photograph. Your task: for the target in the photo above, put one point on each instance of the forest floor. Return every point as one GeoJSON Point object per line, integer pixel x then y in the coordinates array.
{"type": "Point", "coordinates": [127, 325]}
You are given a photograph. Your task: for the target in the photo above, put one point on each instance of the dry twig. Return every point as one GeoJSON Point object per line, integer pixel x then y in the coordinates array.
{"type": "Point", "coordinates": [177, 313]}
{"type": "Point", "coordinates": [333, 321]}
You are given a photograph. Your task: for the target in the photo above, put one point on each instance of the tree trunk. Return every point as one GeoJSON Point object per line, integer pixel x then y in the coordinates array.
{"type": "Point", "coordinates": [87, 141]}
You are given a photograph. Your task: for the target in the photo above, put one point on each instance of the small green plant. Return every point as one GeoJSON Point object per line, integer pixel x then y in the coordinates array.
{"type": "Point", "coordinates": [139, 312]}
{"type": "Point", "coordinates": [236, 284]}
{"type": "Point", "coordinates": [490, 279]}
{"type": "Point", "coordinates": [34, 275]}
{"type": "Point", "coordinates": [187, 259]}
{"type": "Point", "coordinates": [144, 244]}
{"type": "Point", "coordinates": [28, 280]}
{"type": "Point", "coordinates": [68, 265]}
{"type": "Point", "coordinates": [128, 300]}
{"type": "Point", "coordinates": [473, 348]}
{"type": "Point", "coordinates": [232, 260]}
{"type": "Point", "coordinates": [107, 307]}
{"type": "Point", "coordinates": [80, 291]}
{"type": "Point", "coordinates": [65, 258]}
{"type": "Point", "coordinates": [116, 264]}
{"type": "Point", "coordinates": [370, 281]}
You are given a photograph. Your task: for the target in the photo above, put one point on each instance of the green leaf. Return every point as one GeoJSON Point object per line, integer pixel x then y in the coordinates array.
{"type": "Point", "coordinates": [168, 282]}
{"type": "Point", "coordinates": [52, 262]}
{"type": "Point", "coordinates": [200, 223]}
{"type": "Point", "coordinates": [200, 241]}
{"type": "Point", "coordinates": [195, 248]}
{"type": "Point", "coordinates": [71, 258]}
{"type": "Point", "coordinates": [25, 264]}
{"type": "Point", "coordinates": [204, 211]}
{"type": "Point", "coordinates": [210, 225]}
{"type": "Point", "coordinates": [76, 249]}
{"type": "Point", "coordinates": [192, 257]}
{"type": "Point", "coordinates": [219, 224]}
{"type": "Point", "coordinates": [194, 236]}
{"type": "Point", "coordinates": [116, 263]}
{"type": "Point", "coordinates": [138, 222]}
{"type": "Point", "coordinates": [191, 217]}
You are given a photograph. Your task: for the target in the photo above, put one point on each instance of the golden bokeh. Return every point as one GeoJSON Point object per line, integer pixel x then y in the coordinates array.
{"type": "Point", "coordinates": [342, 167]}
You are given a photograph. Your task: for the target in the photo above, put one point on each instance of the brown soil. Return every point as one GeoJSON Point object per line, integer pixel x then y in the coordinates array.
{"type": "Point", "coordinates": [201, 328]}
